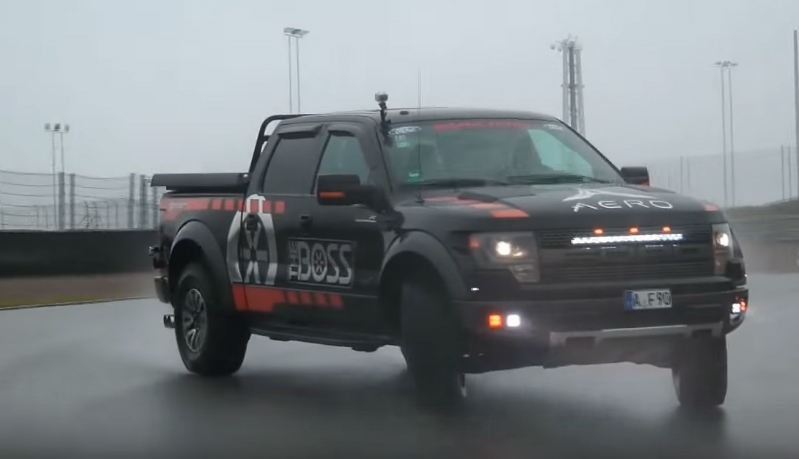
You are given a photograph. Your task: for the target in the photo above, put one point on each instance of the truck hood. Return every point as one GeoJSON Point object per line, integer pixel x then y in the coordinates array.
{"type": "Point", "coordinates": [571, 203]}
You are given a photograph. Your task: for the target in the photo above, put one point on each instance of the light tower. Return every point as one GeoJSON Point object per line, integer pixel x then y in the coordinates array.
{"type": "Point", "coordinates": [573, 108]}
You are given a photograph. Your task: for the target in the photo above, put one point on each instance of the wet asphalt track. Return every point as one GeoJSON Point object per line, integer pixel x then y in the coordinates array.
{"type": "Point", "coordinates": [106, 380]}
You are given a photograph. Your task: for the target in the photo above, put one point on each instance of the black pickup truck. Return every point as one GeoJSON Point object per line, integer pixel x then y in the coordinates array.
{"type": "Point", "coordinates": [475, 240]}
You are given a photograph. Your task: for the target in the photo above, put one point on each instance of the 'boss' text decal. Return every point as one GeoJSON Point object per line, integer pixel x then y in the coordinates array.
{"type": "Point", "coordinates": [323, 262]}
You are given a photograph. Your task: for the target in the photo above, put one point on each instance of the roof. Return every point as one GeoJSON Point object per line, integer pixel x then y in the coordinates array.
{"type": "Point", "coordinates": [403, 115]}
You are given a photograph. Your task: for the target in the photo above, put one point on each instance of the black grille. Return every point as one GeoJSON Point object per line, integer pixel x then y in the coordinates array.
{"type": "Point", "coordinates": [561, 261]}
{"type": "Point", "coordinates": [627, 272]}
{"type": "Point", "coordinates": [559, 239]}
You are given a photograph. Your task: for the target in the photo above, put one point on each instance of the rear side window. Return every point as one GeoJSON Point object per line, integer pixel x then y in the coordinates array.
{"type": "Point", "coordinates": [291, 167]}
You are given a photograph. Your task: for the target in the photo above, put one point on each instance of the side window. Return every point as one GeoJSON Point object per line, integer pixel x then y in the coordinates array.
{"type": "Point", "coordinates": [343, 155]}
{"type": "Point", "coordinates": [556, 155]}
{"type": "Point", "coordinates": [290, 169]}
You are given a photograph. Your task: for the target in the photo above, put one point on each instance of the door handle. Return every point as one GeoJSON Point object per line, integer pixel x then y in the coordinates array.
{"type": "Point", "coordinates": [305, 221]}
{"type": "Point", "coordinates": [251, 223]}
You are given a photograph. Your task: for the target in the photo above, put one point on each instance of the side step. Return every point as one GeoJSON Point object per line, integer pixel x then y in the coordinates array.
{"type": "Point", "coordinates": [356, 341]}
{"type": "Point", "coordinates": [169, 320]}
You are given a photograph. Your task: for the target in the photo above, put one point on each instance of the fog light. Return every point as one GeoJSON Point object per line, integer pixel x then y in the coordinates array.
{"type": "Point", "coordinates": [738, 307]}
{"type": "Point", "coordinates": [513, 320]}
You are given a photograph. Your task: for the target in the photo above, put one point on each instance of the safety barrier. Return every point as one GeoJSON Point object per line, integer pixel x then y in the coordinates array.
{"type": "Point", "coordinates": [44, 253]}
{"type": "Point", "coordinates": [770, 243]}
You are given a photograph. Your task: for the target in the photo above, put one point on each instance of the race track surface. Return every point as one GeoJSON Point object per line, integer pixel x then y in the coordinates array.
{"type": "Point", "coordinates": [105, 380]}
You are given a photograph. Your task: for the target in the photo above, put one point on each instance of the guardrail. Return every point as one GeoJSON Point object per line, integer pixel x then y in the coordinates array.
{"type": "Point", "coordinates": [770, 243]}
{"type": "Point", "coordinates": [46, 253]}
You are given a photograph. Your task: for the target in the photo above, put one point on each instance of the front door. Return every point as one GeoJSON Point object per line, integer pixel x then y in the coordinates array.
{"type": "Point", "coordinates": [343, 250]}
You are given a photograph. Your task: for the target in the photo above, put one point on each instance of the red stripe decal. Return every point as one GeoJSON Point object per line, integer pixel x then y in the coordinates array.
{"type": "Point", "coordinates": [489, 205]}
{"type": "Point", "coordinates": [267, 207]}
{"type": "Point", "coordinates": [239, 297]}
{"type": "Point", "coordinates": [262, 299]}
{"type": "Point", "coordinates": [509, 213]}
{"type": "Point", "coordinates": [216, 204]}
{"type": "Point", "coordinates": [198, 204]}
{"type": "Point", "coordinates": [257, 298]}
{"type": "Point", "coordinates": [465, 202]}
{"type": "Point", "coordinates": [320, 298]}
{"type": "Point", "coordinates": [335, 301]}
{"type": "Point", "coordinates": [280, 207]}
{"type": "Point", "coordinates": [230, 204]}
{"type": "Point", "coordinates": [305, 298]}
{"type": "Point", "coordinates": [254, 206]}
{"type": "Point", "coordinates": [172, 208]}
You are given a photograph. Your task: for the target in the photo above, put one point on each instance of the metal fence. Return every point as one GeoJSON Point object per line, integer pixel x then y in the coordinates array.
{"type": "Point", "coordinates": [761, 177]}
{"type": "Point", "coordinates": [71, 201]}
{"type": "Point", "coordinates": [31, 201]}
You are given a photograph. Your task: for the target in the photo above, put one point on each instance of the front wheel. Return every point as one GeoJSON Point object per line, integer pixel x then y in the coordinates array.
{"type": "Point", "coordinates": [210, 343]}
{"type": "Point", "coordinates": [429, 344]}
{"type": "Point", "coordinates": [699, 372]}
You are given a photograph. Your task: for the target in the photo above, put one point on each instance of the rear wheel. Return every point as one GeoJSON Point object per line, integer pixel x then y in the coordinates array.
{"type": "Point", "coordinates": [210, 343]}
{"type": "Point", "coordinates": [429, 343]}
{"type": "Point", "coordinates": [700, 372]}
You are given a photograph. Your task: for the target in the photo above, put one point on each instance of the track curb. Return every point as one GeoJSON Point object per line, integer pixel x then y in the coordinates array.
{"type": "Point", "coordinates": [72, 303]}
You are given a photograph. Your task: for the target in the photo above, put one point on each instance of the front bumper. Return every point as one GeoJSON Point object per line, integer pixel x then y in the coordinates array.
{"type": "Point", "coordinates": [590, 330]}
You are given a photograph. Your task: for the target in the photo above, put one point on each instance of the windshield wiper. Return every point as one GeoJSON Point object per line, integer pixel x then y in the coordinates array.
{"type": "Point", "coordinates": [461, 182]}
{"type": "Point", "coordinates": [553, 178]}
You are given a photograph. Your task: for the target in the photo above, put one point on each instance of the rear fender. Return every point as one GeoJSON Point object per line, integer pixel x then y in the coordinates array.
{"type": "Point", "coordinates": [208, 251]}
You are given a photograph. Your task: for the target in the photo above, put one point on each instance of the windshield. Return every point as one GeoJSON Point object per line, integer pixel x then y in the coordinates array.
{"type": "Point", "coordinates": [493, 152]}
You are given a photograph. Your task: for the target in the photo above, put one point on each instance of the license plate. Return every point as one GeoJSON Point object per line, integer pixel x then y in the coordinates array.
{"type": "Point", "coordinates": [647, 299]}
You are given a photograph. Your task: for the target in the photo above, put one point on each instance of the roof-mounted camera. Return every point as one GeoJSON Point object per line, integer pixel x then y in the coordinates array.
{"type": "Point", "coordinates": [381, 98]}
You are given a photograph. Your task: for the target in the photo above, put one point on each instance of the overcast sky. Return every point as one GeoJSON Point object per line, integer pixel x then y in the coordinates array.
{"type": "Point", "coordinates": [165, 86]}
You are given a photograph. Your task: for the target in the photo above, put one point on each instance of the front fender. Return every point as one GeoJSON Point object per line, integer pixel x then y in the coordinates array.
{"type": "Point", "coordinates": [428, 247]}
{"type": "Point", "coordinates": [211, 256]}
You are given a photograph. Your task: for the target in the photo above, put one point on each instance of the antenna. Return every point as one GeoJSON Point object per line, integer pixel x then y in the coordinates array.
{"type": "Point", "coordinates": [419, 198]}
{"type": "Point", "coordinates": [419, 86]}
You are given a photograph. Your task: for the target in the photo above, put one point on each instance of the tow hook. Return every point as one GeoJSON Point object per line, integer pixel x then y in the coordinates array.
{"type": "Point", "coordinates": [169, 320]}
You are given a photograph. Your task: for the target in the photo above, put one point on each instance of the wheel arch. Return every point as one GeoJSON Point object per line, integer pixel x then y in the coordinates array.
{"type": "Point", "coordinates": [195, 242]}
{"type": "Point", "coordinates": [422, 255]}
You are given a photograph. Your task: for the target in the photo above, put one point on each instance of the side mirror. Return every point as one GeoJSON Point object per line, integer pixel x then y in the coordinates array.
{"type": "Point", "coordinates": [346, 190]}
{"type": "Point", "coordinates": [635, 175]}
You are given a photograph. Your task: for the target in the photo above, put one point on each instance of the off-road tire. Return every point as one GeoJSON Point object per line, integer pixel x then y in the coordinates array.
{"type": "Point", "coordinates": [430, 344]}
{"type": "Point", "coordinates": [221, 350]}
{"type": "Point", "coordinates": [699, 372]}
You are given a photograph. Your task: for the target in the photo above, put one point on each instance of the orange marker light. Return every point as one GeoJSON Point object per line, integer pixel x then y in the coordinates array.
{"type": "Point", "coordinates": [331, 194]}
{"type": "Point", "coordinates": [743, 306]}
{"type": "Point", "coordinates": [474, 243]}
{"type": "Point", "coordinates": [667, 229]}
{"type": "Point", "coordinates": [494, 321]}
{"type": "Point", "coordinates": [598, 231]}
{"type": "Point", "coordinates": [634, 230]}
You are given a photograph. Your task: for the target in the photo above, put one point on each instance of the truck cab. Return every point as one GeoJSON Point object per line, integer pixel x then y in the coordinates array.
{"type": "Point", "coordinates": [475, 240]}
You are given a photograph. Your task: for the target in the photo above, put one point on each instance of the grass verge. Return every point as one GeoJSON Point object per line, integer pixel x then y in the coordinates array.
{"type": "Point", "coordinates": [62, 290]}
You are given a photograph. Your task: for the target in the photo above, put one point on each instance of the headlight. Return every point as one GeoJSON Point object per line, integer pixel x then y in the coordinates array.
{"type": "Point", "coordinates": [722, 247]}
{"type": "Point", "coordinates": [517, 252]}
